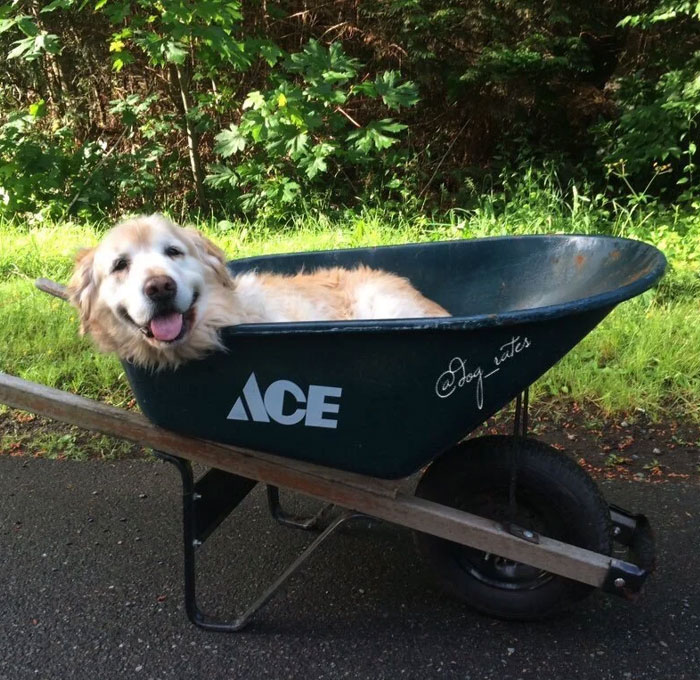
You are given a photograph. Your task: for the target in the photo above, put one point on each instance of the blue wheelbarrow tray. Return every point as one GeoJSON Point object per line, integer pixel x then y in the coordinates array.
{"type": "Point", "coordinates": [384, 398]}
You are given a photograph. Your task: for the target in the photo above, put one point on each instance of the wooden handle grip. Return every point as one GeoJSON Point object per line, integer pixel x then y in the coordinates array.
{"type": "Point", "coordinates": [52, 288]}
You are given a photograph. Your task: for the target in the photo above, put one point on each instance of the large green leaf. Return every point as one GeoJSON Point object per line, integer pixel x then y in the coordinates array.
{"type": "Point", "coordinates": [57, 4]}
{"type": "Point", "coordinates": [23, 49]}
{"type": "Point", "coordinates": [174, 52]}
{"type": "Point", "coordinates": [27, 26]}
{"type": "Point", "coordinates": [297, 144]}
{"type": "Point", "coordinates": [229, 142]}
{"type": "Point", "coordinates": [375, 135]}
{"type": "Point", "coordinates": [254, 100]}
{"type": "Point", "coordinates": [393, 93]}
{"type": "Point", "coordinates": [220, 176]}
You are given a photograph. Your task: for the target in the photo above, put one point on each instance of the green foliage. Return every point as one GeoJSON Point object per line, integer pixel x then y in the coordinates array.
{"type": "Point", "coordinates": [201, 34]}
{"type": "Point", "coordinates": [298, 136]}
{"type": "Point", "coordinates": [44, 169]}
{"type": "Point", "coordinates": [132, 102]}
{"type": "Point", "coordinates": [36, 41]}
{"type": "Point", "coordinates": [290, 138]}
{"type": "Point", "coordinates": [537, 56]}
{"type": "Point", "coordinates": [35, 161]}
{"type": "Point", "coordinates": [657, 131]}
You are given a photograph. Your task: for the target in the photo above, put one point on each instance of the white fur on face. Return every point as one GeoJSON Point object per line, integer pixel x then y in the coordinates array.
{"type": "Point", "coordinates": [115, 310]}
{"type": "Point", "coordinates": [145, 253]}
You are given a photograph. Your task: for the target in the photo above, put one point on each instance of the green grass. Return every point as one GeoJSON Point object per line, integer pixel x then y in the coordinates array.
{"type": "Point", "coordinates": [645, 355]}
{"type": "Point", "coordinates": [26, 434]}
{"type": "Point", "coordinates": [40, 342]}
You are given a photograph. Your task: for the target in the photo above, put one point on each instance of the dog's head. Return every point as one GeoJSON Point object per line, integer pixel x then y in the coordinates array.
{"type": "Point", "coordinates": [144, 291]}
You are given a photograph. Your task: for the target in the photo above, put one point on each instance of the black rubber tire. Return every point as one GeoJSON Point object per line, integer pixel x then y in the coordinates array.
{"type": "Point", "coordinates": [555, 497]}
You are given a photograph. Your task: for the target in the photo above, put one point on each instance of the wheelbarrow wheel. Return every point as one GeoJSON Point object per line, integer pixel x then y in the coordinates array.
{"type": "Point", "coordinates": [555, 497]}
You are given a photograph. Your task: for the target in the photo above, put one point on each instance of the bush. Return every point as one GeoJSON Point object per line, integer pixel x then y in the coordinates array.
{"type": "Point", "coordinates": [297, 138]}
{"type": "Point", "coordinates": [123, 105]}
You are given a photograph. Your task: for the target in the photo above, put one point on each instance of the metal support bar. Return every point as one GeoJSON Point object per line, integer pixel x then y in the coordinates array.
{"type": "Point", "coordinates": [288, 520]}
{"type": "Point", "coordinates": [216, 494]}
{"type": "Point", "coordinates": [634, 532]}
{"type": "Point", "coordinates": [193, 523]}
{"type": "Point", "coordinates": [520, 426]}
{"type": "Point", "coordinates": [521, 420]}
{"type": "Point", "coordinates": [626, 526]}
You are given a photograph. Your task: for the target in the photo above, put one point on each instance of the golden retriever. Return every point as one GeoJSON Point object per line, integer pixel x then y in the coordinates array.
{"type": "Point", "coordinates": [158, 294]}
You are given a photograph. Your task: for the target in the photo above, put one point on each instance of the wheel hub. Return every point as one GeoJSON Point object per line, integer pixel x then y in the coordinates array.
{"type": "Point", "coordinates": [495, 570]}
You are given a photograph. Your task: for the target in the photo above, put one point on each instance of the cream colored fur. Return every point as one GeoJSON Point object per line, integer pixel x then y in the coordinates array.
{"type": "Point", "coordinates": [112, 304]}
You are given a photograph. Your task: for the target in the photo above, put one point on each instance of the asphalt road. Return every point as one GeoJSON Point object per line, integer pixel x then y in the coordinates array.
{"type": "Point", "coordinates": [90, 586]}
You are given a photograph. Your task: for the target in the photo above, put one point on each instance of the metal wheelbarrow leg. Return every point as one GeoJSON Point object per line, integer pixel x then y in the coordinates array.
{"type": "Point", "coordinates": [288, 520]}
{"type": "Point", "coordinates": [206, 503]}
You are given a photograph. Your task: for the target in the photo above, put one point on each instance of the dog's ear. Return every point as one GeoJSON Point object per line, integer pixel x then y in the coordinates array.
{"type": "Point", "coordinates": [82, 286]}
{"type": "Point", "coordinates": [212, 256]}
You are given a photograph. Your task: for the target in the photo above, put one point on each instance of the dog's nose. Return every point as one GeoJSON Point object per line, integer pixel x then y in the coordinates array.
{"type": "Point", "coordinates": [160, 288]}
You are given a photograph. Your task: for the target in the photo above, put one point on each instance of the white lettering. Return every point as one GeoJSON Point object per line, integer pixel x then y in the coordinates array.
{"type": "Point", "coordinates": [318, 406]}
{"type": "Point", "coordinates": [459, 374]}
{"type": "Point", "coordinates": [274, 402]}
{"type": "Point", "coordinates": [314, 410]}
{"type": "Point", "coordinates": [254, 400]}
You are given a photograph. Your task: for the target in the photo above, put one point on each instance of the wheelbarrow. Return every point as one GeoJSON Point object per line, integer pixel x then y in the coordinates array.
{"type": "Point", "coordinates": [345, 411]}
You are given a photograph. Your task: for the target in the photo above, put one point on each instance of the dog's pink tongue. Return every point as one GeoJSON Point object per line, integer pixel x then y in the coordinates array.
{"type": "Point", "coordinates": [166, 327]}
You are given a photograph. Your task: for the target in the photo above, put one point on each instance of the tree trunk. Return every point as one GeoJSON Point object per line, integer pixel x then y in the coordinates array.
{"type": "Point", "coordinates": [53, 72]}
{"type": "Point", "coordinates": [181, 86]}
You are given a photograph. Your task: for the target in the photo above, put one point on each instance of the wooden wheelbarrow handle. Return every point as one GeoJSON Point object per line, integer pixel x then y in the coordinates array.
{"type": "Point", "coordinates": [52, 288]}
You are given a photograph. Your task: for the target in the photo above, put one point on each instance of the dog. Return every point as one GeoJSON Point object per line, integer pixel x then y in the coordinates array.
{"type": "Point", "coordinates": [157, 294]}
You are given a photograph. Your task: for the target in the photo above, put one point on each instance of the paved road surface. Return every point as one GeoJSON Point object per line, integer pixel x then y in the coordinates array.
{"type": "Point", "coordinates": [90, 586]}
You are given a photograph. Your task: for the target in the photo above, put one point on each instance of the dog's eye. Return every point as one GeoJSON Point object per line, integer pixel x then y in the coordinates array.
{"type": "Point", "coordinates": [120, 264]}
{"type": "Point", "coordinates": [172, 251]}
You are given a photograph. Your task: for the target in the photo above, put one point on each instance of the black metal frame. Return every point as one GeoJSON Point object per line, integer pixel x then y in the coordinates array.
{"type": "Point", "coordinates": [626, 578]}
{"type": "Point", "coordinates": [206, 503]}
{"type": "Point", "coordinates": [520, 428]}
{"type": "Point", "coordinates": [208, 500]}
{"type": "Point", "coordinates": [293, 521]}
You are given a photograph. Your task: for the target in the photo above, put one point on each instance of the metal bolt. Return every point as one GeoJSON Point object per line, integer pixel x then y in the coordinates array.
{"type": "Point", "coordinates": [619, 583]}
{"type": "Point", "coordinates": [528, 534]}
{"type": "Point", "coordinates": [617, 531]}
{"type": "Point", "coordinates": [196, 543]}
{"type": "Point", "coordinates": [196, 496]}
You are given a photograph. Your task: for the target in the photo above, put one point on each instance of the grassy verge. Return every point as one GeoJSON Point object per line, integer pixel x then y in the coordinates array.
{"type": "Point", "coordinates": [645, 355]}
{"type": "Point", "coordinates": [24, 434]}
